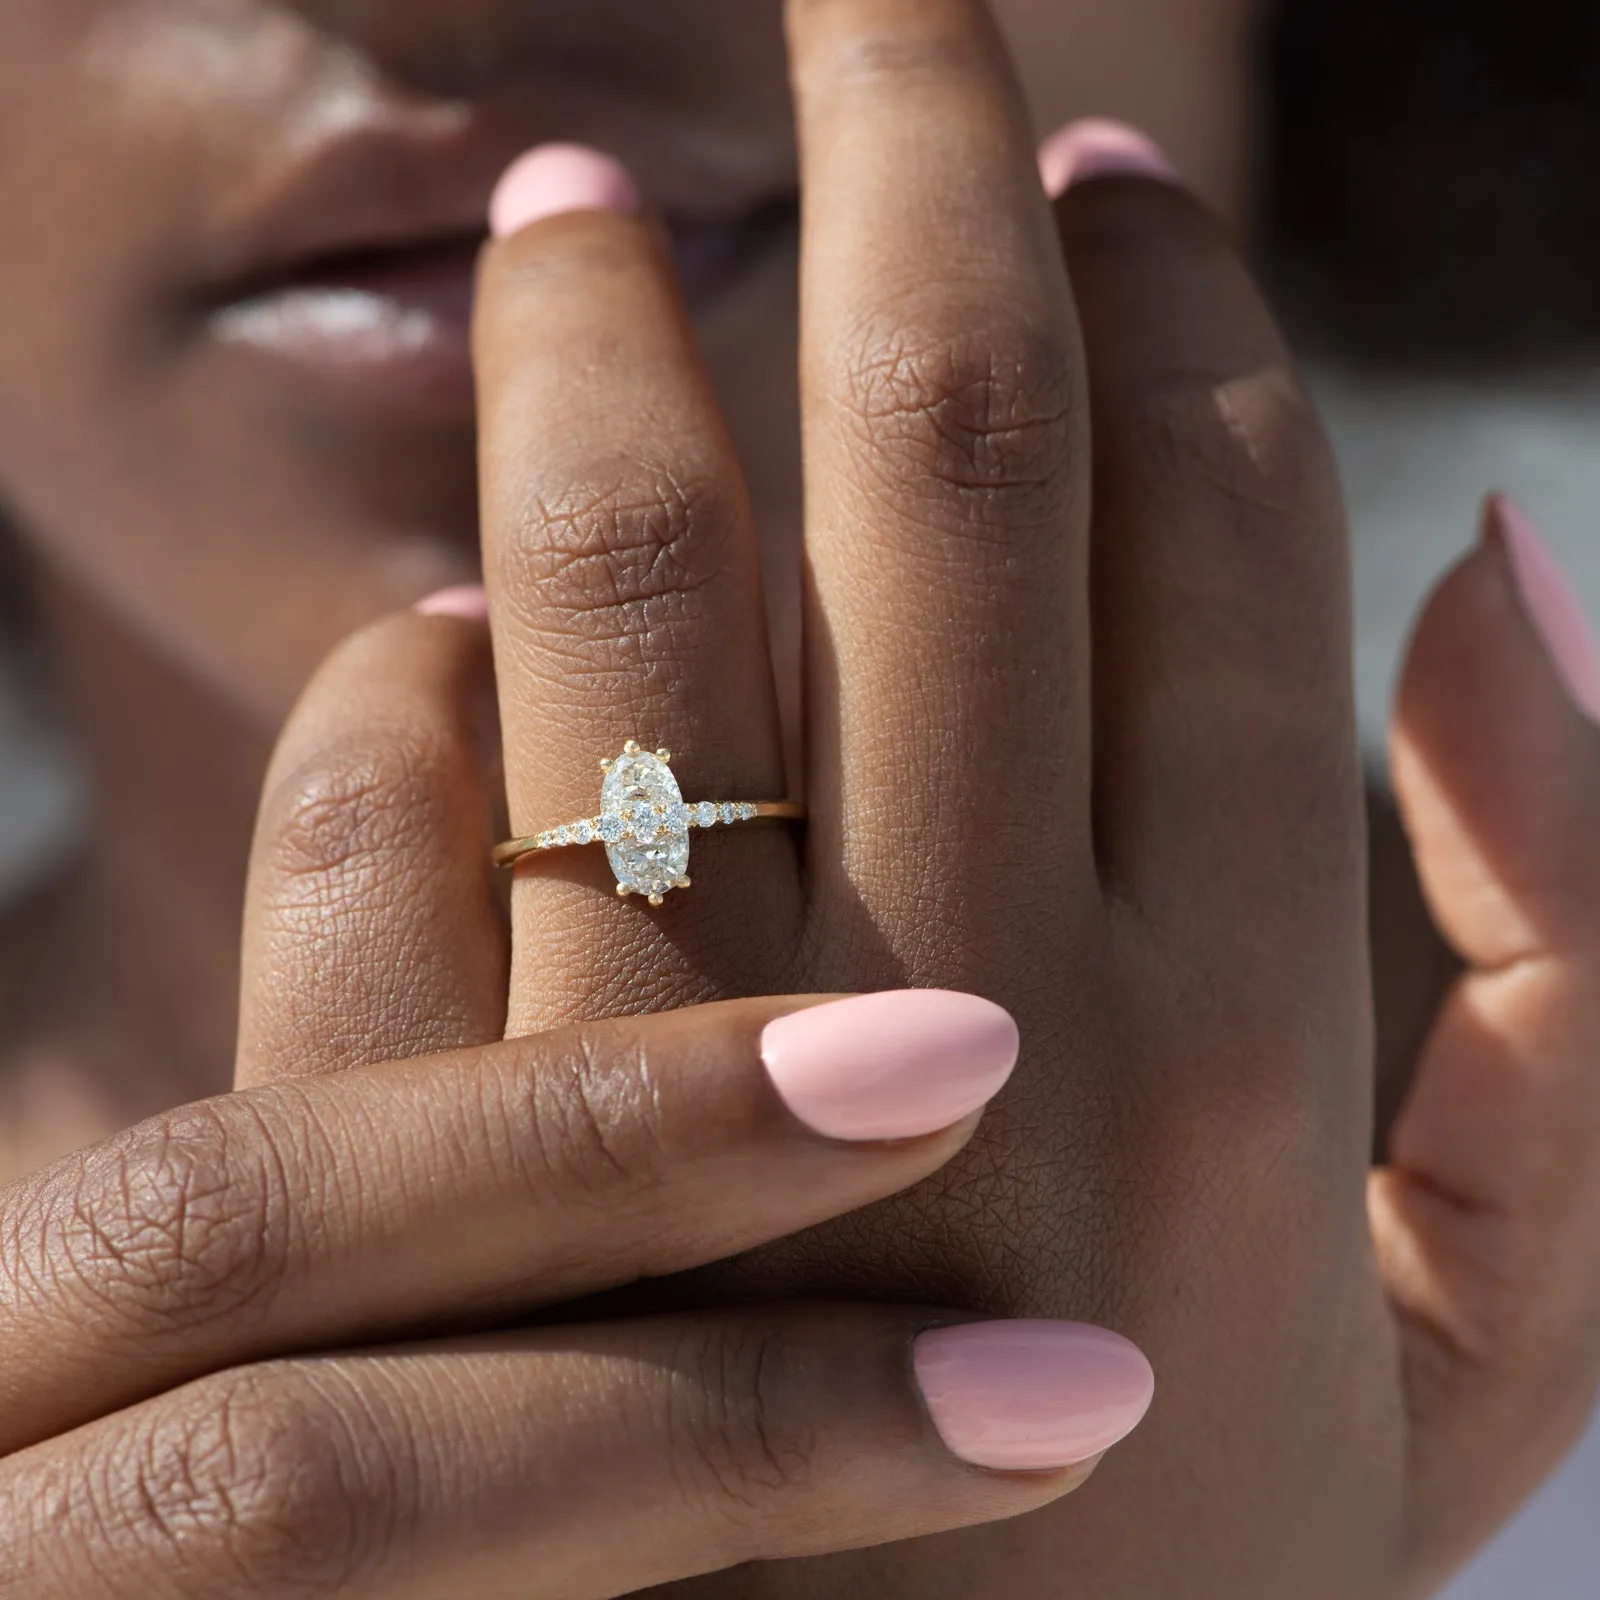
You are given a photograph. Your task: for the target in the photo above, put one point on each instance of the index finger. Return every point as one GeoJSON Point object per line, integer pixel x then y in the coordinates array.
{"type": "Point", "coordinates": [467, 1188]}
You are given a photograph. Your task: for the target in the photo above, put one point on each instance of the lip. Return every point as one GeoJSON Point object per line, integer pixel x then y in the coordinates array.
{"type": "Point", "coordinates": [355, 270]}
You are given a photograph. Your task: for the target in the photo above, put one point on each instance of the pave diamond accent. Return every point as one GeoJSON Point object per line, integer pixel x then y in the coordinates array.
{"type": "Point", "coordinates": [706, 814]}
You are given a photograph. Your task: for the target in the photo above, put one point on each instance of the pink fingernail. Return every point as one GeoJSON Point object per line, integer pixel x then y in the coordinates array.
{"type": "Point", "coordinates": [890, 1066]}
{"type": "Point", "coordinates": [1553, 604]}
{"type": "Point", "coordinates": [1031, 1396]}
{"type": "Point", "coordinates": [1095, 148]}
{"type": "Point", "coordinates": [467, 601]}
{"type": "Point", "coordinates": [555, 178]}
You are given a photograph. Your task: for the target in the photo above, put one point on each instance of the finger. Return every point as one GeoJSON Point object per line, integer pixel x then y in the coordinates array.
{"type": "Point", "coordinates": [624, 581]}
{"type": "Point", "coordinates": [946, 478]}
{"type": "Point", "coordinates": [1486, 1216]}
{"type": "Point", "coordinates": [569, 1464]}
{"type": "Point", "coordinates": [469, 1188]}
{"type": "Point", "coordinates": [372, 932]}
{"type": "Point", "coordinates": [1227, 770]}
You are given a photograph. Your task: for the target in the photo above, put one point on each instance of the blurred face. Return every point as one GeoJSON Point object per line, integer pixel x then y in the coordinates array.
{"type": "Point", "coordinates": [235, 391]}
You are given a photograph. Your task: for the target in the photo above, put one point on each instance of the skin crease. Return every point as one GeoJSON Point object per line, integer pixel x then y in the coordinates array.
{"type": "Point", "coordinates": [203, 531]}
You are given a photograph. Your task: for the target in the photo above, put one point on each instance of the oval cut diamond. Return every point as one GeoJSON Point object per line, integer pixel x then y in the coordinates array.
{"type": "Point", "coordinates": [649, 855]}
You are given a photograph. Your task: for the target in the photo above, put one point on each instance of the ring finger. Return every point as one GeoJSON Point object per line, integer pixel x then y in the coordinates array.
{"type": "Point", "coordinates": [624, 587]}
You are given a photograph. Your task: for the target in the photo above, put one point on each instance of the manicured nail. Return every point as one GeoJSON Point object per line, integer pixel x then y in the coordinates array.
{"type": "Point", "coordinates": [1552, 604]}
{"type": "Point", "coordinates": [559, 177]}
{"type": "Point", "coordinates": [467, 601]}
{"type": "Point", "coordinates": [890, 1066]}
{"type": "Point", "coordinates": [1099, 149]}
{"type": "Point", "coordinates": [1031, 1396]}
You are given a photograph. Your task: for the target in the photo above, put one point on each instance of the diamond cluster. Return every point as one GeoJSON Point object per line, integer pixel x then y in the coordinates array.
{"type": "Point", "coordinates": [644, 823]}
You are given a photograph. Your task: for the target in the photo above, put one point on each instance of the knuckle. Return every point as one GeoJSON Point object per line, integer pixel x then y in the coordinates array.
{"type": "Point", "coordinates": [740, 1441]}
{"type": "Point", "coordinates": [332, 823]}
{"type": "Point", "coordinates": [1250, 452]}
{"type": "Point", "coordinates": [181, 1222]}
{"type": "Point", "coordinates": [980, 410]}
{"type": "Point", "coordinates": [873, 60]}
{"type": "Point", "coordinates": [592, 1120]}
{"type": "Point", "coordinates": [253, 1479]}
{"type": "Point", "coordinates": [612, 560]}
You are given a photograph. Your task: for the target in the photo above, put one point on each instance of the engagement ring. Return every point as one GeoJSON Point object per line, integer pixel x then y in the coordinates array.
{"type": "Point", "coordinates": [644, 824]}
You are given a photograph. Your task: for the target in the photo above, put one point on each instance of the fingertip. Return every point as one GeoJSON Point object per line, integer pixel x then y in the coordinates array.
{"type": "Point", "coordinates": [1496, 763]}
{"type": "Point", "coordinates": [1096, 147]}
{"type": "Point", "coordinates": [1032, 1395]}
{"type": "Point", "coordinates": [1550, 600]}
{"type": "Point", "coordinates": [468, 601]}
{"type": "Point", "coordinates": [556, 178]}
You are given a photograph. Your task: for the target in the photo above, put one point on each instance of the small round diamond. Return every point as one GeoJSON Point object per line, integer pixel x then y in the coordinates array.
{"type": "Point", "coordinates": [730, 814]}
{"type": "Point", "coordinates": [611, 828]}
{"type": "Point", "coordinates": [677, 817]}
{"type": "Point", "coordinates": [747, 812]}
{"type": "Point", "coordinates": [563, 836]}
{"type": "Point", "coordinates": [583, 833]}
{"type": "Point", "coordinates": [706, 814]}
{"type": "Point", "coordinates": [644, 824]}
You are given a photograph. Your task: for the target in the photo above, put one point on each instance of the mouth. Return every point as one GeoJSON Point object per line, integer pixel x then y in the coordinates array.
{"type": "Point", "coordinates": [389, 326]}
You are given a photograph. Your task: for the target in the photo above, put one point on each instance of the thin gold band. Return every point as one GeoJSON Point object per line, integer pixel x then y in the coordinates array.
{"type": "Point", "coordinates": [577, 835]}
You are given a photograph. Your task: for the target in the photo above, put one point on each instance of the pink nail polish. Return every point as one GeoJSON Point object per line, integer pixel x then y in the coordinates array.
{"type": "Point", "coordinates": [1031, 1396]}
{"type": "Point", "coordinates": [890, 1066]}
{"type": "Point", "coordinates": [1095, 148]}
{"type": "Point", "coordinates": [1553, 604]}
{"type": "Point", "coordinates": [555, 178]}
{"type": "Point", "coordinates": [468, 601]}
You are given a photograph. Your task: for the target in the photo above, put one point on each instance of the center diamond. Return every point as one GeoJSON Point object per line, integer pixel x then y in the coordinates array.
{"type": "Point", "coordinates": [651, 856]}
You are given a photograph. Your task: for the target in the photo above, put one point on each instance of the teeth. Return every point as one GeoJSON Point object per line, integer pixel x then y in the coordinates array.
{"type": "Point", "coordinates": [357, 318]}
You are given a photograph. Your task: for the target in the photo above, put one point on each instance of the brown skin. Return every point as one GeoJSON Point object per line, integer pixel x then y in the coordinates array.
{"type": "Point", "coordinates": [170, 1429]}
{"type": "Point", "coordinates": [1347, 1406]}
{"type": "Point", "coordinates": [198, 553]}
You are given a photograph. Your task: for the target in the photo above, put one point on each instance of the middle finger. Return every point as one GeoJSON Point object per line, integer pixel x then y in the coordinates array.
{"type": "Point", "coordinates": [946, 483]}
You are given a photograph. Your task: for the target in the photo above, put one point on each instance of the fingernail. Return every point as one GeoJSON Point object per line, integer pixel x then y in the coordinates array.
{"type": "Point", "coordinates": [1552, 603]}
{"type": "Point", "coordinates": [556, 178]}
{"type": "Point", "coordinates": [1031, 1396]}
{"type": "Point", "coordinates": [1096, 148]}
{"type": "Point", "coordinates": [890, 1066]}
{"type": "Point", "coordinates": [467, 601]}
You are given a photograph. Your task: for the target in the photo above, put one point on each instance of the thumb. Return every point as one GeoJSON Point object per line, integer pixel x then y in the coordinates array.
{"type": "Point", "coordinates": [1487, 1220]}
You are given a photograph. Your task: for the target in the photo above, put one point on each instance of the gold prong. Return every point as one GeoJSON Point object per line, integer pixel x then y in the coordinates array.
{"type": "Point", "coordinates": [623, 891]}
{"type": "Point", "coordinates": [631, 748]}
{"type": "Point", "coordinates": [658, 899]}
{"type": "Point", "coordinates": [684, 883]}
{"type": "Point", "coordinates": [664, 756]}
{"type": "Point", "coordinates": [607, 764]}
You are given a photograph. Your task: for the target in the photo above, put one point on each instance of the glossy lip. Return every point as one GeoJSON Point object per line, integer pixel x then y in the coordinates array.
{"type": "Point", "coordinates": [356, 267]}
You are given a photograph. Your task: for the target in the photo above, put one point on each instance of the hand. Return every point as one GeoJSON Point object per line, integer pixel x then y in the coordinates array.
{"type": "Point", "coordinates": [204, 1390]}
{"type": "Point", "coordinates": [1130, 810]}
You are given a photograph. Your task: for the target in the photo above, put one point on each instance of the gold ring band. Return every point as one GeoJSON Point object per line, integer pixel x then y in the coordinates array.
{"type": "Point", "coordinates": [645, 823]}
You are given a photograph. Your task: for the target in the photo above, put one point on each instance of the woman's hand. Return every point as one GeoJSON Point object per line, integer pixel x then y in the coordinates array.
{"type": "Point", "coordinates": [194, 1399]}
{"type": "Point", "coordinates": [1081, 738]}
